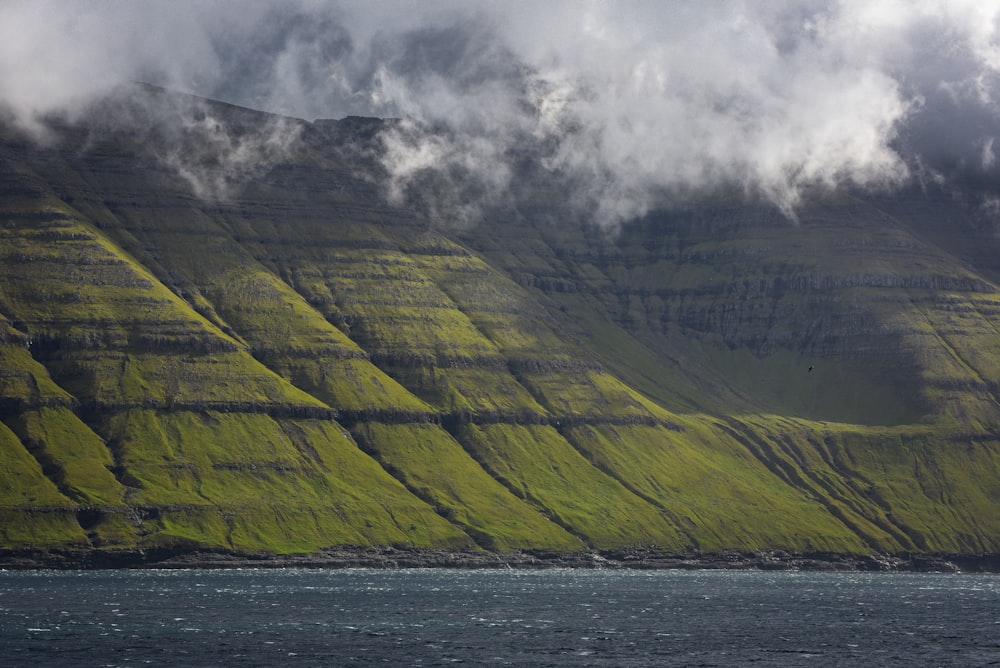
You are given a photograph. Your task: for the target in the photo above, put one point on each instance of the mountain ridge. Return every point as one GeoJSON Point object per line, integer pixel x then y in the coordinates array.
{"type": "Point", "coordinates": [247, 346]}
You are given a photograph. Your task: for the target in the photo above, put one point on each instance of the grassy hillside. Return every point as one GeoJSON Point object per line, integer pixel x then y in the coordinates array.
{"type": "Point", "coordinates": [271, 357]}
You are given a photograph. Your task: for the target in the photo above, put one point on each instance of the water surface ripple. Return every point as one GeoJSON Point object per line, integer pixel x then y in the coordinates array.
{"type": "Point", "coordinates": [424, 617]}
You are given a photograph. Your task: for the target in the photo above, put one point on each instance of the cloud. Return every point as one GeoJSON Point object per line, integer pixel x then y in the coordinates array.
{"type": "Point", "coordinates": [58, 57]}
{"type": "Point", "coordinates": [202, 147]}
{"type": "Point", "coordinates": [621, 104]}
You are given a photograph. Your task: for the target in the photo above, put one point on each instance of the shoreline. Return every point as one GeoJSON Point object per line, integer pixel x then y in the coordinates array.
{"type": "Point", "coordinates": [401, 558]}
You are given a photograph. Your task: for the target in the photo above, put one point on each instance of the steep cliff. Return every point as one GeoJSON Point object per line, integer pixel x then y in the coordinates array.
{"type": "Point", "coordinates": [217, 332]}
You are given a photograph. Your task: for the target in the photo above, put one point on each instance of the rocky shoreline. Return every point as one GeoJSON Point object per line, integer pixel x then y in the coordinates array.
{"type": "Point", "coordinates": [391, 557]}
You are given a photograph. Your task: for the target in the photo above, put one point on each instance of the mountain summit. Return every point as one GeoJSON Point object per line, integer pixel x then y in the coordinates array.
{"type": "Point", "coordinates": [226, 330]}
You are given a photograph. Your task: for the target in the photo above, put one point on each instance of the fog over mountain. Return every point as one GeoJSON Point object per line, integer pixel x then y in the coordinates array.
{"type": "Point", "coordinates": [632, 102]}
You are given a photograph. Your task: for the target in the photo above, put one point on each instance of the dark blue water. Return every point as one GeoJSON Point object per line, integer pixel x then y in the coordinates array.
{"type": "Point", "coordinates": [535, 618]}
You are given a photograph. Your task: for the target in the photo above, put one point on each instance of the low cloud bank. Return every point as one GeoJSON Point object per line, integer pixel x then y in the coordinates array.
{"type": "Point", "coordinates": [626, 104]}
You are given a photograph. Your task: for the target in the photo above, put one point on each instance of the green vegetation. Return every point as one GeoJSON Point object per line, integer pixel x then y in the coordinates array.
{"type": "Point", "coordinates": [23, 481]}
{"type": "Point", "coordinates": [301, 365]}
{"type": "Point", "coordinates": [538, 465]}
{"type": "Point", "coordinates": [716, 491]}
{"type": "Point", "coordinates": [32, 511]}
{"type": "Point", "coordinates": [436, 468]}
{"type": "Point", "coordinates": [81, 464]}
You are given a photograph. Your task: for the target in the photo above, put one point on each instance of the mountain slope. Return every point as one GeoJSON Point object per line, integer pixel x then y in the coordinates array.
{"type": "Point", "coordinates": [198, 350]}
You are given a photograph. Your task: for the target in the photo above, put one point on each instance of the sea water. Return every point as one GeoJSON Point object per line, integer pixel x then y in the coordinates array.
{"type": "Point", "coordinates": [426, 617]}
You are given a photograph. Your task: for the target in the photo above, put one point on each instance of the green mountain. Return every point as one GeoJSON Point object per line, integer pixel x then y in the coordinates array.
{"type": "Point", "coordinates": [216, 332]}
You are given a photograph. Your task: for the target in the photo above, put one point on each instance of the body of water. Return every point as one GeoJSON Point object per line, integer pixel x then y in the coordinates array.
{"type": "Point", "coordinates": [536, 618]}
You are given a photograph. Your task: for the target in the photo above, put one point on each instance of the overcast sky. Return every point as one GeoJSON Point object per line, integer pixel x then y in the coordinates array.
{"type": "Point", "coordinates": [636, 98]}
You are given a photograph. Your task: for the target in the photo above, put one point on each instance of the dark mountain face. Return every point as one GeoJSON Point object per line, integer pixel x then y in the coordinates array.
{"type": "Point", "coordinates": [217, 331]}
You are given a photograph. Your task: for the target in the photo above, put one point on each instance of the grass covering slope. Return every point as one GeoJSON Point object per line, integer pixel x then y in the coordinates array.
{"type": "Point", "coordinates": [192, 371]}
{"type": "Point", "coordinates": [442, 473]}
{"type": "Point", "coordinates": [283, 329]}
{"type": "Point", "coordinates": [151, 372]}
{"type": "Point", "coordinates": [238, 480]}
{"type": "Point", "coordinates": [80, 462]}
{"type": "Point", "coordinates": [32, 511]}
{"type": "Point", "coordinates": [733, 305]}
{"type": "Point", "coordinates": [24, 484]}
{"type": "Point", "coordinates": [278, 325]}
{"type": "Point", "coordinates": [538, 465]}
{"type": "Point", "coordinates": [943, 497]}
{"type": "Point", "coordinates": [718, 495]}
{"type": "Point", "coordinates": [70, 456]}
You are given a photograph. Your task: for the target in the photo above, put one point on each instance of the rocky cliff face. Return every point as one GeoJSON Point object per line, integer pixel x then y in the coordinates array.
{"type": "Point", "coordinates": [216, 332]}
